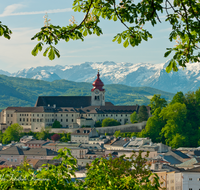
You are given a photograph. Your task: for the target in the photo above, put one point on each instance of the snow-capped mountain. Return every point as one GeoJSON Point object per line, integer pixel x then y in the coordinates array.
{"type": "Point", "coordinates": [140, 74]}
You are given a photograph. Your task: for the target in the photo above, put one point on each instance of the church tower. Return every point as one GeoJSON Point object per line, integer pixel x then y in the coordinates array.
{"type": "Point", "coordinates": [98, 93]}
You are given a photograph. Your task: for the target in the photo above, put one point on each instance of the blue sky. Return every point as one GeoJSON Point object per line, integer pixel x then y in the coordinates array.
{"type": "Point", "coordinates": [25, 18]}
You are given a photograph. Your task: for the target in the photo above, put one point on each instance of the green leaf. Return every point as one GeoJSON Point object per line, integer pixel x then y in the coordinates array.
{"type": "Point", "coordinates": [51, 54]}
{"type": "Point", "coordinates": [126, 43]}
{"type": "Point", "coordinates": [172, 65]}
{"type": "Point", "coordinates": [1, 31]}
{"type": "Point", "coordinates": [56, 52]}
{"type": "Point", "coordinates": [115, 18]}
{"type": "Point", "coordinates": [115, 38]}
{"type": "Point", "coordinates": [119, 40]}
{"type": "Point", "coordinates": [45, 53]}
{"type": "Point", "coordinates": [167, 53]}
{"type": "Point", "coordinates": [85, 33]}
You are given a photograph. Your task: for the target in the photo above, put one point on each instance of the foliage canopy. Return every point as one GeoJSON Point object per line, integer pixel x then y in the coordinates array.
{"type": "Point", "coordinates": [110, 122]}
{"type": "Point", "coordinates": [182, 15]}
{"type": "Point", "coordinates": [175, 124]}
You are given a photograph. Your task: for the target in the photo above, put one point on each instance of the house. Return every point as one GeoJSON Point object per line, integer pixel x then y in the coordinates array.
{"type": "Point", "coordinates": [191, 179]}
{"type": "Point", "coordinates": [35, 143]}
{"type": "Point", "coordinates": [40, 153]}
{"type": "Point", "coordinates": [15, 155]}
{"type": "Point", "coordinates": [12, 155]}
{"type": "Point", "coordinates": [83, 135]}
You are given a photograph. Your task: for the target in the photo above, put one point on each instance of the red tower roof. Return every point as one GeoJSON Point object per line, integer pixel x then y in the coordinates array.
{"type": "Point", "coordinates": [98, 84]}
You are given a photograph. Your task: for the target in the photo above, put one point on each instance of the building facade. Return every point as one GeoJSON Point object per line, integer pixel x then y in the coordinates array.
{"type": "Point", "coordinates": [70, 111]}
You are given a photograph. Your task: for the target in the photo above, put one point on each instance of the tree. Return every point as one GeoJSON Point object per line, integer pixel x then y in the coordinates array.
{"type": "Point", "coordinates": [121, 173]}
{"type": "Point", "coordinates": [183, 16]}
{"type": "Point", "coordinates": [12, 133]}
{"type": "Point", "coordinates": [55, 137]}
{"type": "Point", "coordinates": [143, 114]}
{"type": "Point", "coordinates": [98, 124]}
{"type": "Point", "coordinates": [134, 117]}
{"type": "Point", "coordinates": [178, 97]}
{"type": "Point", "coordinates": [49, 177]}
{"type": "Point", "coordinates": [157, 102]}
{"type": "Point", "coordinates": [176, 127]}
{"type": "Point", "coordinates": [117, 134]}
{"type": "Point", "coordinates": [65, 137]}
{"type": "Point", "coordinates": [43, 134]}
{"type": "Point", "coordinates": [56, 124]}
{"type": "Point", "coordinates": [110, 122]}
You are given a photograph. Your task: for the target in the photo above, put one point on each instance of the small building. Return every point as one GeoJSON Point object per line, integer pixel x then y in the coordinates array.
{"type": "Point", "coordinates": [82, 135]}
{"type": "Point", "coordinates": [26, 138]}
{"type": "Point", "coordinates": [35, 143]}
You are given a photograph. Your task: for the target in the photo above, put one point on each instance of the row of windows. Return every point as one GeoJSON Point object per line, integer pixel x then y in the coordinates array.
{"type": "Point", "coordinates": [10, 115]}
{"type": "Point", "coordinates": [61, 120]}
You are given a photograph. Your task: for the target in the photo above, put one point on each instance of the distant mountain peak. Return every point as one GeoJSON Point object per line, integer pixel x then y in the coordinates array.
{"type": "Point", "coordinates": [138, 74]}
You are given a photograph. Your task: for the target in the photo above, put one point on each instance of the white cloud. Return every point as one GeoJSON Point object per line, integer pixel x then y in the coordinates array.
{"type": "Point", "coordinates": [11, 8]}
{"type": "Point", "coordinates": [10, 11]}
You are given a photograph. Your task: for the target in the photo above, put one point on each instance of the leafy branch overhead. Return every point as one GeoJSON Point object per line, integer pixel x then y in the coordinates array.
{"type": "Point", "coordinates": [182, 15]}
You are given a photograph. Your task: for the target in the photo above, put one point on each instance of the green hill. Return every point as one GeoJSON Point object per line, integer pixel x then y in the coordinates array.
{"type": "Point", "coordinates": [24, 92]}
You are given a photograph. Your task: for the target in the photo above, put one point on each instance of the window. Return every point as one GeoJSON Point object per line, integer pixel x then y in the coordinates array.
{"type": "Point", "coordinates": [20, 119]}
{"type": "Point", "coordinates": [61, 115]}
{"type": "Point", "coordinates": [66, 120]}
{"type": "Point", "coordinates": [52, 120]}
{"type": "Point", "coordinates": [20, 114]}
{"type": "Point", "coordinates": [190, 188]}
{"type": "Point", "coordinates": [8, 159]}
{"type": "Point", "coordinates": [41, 120]}
{"type": "Point", "coordinates": [15, 160]}
{"type": "Point", "coordinates": [116, 115]}
{"type": "Point", "coordinates": [96, 97]}
{"type": "Point", "coordinates": [38, 120]}
{"type": "Point", "coordinates": [190, 179]}
{"type": "Point", "coordinates": [72, 115]}
{"type": "Point", "coordinates": [72, 120]}
{"type": "Point", "coordinates": [61, 120]}
{"type": "Point", "coordinates": [23, 119]}
{"type": "Point", "coordinates": [37, 115]}
{"type": "Point", "coordinates": [66, 115]}
{"type": "Point", "coordinates": [27, 119]}
{"type": "Point", "coordinates": [27, 114]}
{"type": "Point", "coordinates": [7, 115]}
{"type": "Point", "coordinates": [11, 115]}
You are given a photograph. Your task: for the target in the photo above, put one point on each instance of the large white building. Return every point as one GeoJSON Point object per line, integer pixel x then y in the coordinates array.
{"type": "Point", "coordinates": [70, 111]}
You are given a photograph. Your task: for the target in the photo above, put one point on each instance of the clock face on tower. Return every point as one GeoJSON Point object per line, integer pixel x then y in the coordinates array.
{"type": "Point", "coordinates": [96, 91]}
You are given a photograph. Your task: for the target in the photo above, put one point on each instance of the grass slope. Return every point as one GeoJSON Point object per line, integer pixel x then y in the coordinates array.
{"type": "Point", "coordinates": [24, 92]}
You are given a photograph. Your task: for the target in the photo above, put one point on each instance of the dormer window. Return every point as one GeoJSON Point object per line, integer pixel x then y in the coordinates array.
{"type": "Point", "coordinates": [78, 131]}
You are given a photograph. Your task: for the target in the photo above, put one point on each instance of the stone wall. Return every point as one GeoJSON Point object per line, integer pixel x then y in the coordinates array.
{"type": "Point", "coordinates": [136, 127]}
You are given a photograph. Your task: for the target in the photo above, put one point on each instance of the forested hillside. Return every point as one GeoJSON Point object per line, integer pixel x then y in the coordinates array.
{"type": "Point", "coordinates": [24, 92]}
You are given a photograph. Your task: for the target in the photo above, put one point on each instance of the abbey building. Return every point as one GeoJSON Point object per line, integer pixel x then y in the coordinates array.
{"type": "Point", "coordinates": [70, 111]}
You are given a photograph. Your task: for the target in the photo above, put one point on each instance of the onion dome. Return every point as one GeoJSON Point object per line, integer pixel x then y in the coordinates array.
{"type": "Point", "coordinates": [98, 84]}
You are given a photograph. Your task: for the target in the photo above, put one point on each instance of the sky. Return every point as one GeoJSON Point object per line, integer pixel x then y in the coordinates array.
{"type": "Point", "coordinates": [25, 18]}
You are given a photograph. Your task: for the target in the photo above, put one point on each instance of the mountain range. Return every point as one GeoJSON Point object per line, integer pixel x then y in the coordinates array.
{"type": "Point", "coordinates": [135, 75]}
